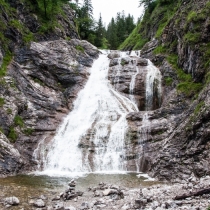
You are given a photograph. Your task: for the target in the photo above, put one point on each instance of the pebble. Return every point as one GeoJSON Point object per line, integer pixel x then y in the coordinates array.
{"type": "Point", "coordinates": [13, 201]}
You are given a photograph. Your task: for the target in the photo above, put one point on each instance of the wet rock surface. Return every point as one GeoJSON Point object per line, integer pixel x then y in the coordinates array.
{"type": "Point", "coordinates": [127, 69]}
{"type": "Point", "coordinates": [173, 141]}
{"type": "Point", "coordinates": [42, 83]}
{"type": "Point", "coordinates": [156, 197]}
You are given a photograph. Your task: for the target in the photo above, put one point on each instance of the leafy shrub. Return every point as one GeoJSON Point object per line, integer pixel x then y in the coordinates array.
{"type": "Point", "coordinates": [192, 38]}
{"type": "Point", "coordinates": [28, 131]}
{"type": "Point", "coordinates": [12, 135]}
{"type": "Point", "coordinates": [191, 16]}
{"type": "Point", "coordinates": [159, 50]}
{"type": "Point", "coordinates": [198, 107]}
{"type": "Point", "coordinates": [168, 81]}
{"type": "Point", "coordinates": [18, 121]}
{"type": "Point", "coordinates": [9, 111]}
{"type": "Point", "coordinates": [80, 48]}
{"type": "Point", "coordinates": [189, 88]}
{"type": "Point", "coordinates": [2, 102]}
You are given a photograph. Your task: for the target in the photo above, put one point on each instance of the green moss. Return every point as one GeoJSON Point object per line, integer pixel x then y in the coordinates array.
{"type": "Point", "coordinates": [18, 121]}
{"type": "Point", "coordinates": [122, 62]}
{"type": "Point", "coordinates": [38, 81]}
{"type": "Point", "coordinates": [28, 131]}
{"type": "Point", "coordinates": [6, 60]}
{"type": "Point", "coordinates": [189, 88]}
{"type": "Point", "coordinates": [160, 50]}
{"type": "Point", "coordinates": [199, 107]}
{"type": "Point", "coordinates": [2, 102]}
{"type": "Point", "coordinates": [191, 16]}
{"type": "Point", "coordinates": [27, 38]}
{"type": "Point", "coordinates": [207, 78]}
{"type": "Point", "coordinates": [16, 24]}
{"type": "Point", "coordinates": [182, 76]}
{"type": "Point", "coordinates": [192, 38]}
{"type": "Point", "coordinates": [9, 111]}
{"type": "Point", "coordinates": [1, 130]}
{"type": "Point", "coordinates": [12, 135]}
{"type": "Point", "coordinates": [168, 81]}
{"type": "Point", "coordinates": [135, 40]}
{"type": "Point", "coordinates": [80, 48]}
{"type": "Point", "coordinates": [161, 29]}
{"type": "Point", "coordinates": [186, 85]}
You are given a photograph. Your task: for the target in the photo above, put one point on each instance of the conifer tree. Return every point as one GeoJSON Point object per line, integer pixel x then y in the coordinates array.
{"type": "Point", "coordinates": [85, 20]}
{"type": "Point", "coordinates": [112, 35]}
{"type": "Point", "coordinates": [99, 33]}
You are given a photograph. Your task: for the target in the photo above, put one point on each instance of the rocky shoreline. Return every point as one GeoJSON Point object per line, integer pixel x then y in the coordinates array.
{"type": "Point", "coordinates": [107, 196]}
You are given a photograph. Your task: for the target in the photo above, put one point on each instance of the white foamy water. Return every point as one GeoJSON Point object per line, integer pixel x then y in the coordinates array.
{"type": "Point", "coordinates": [153, 81]}
{"type": "Point", "coordinates": [132, 86]}
{"type": "Point", "coordinates": [98, 118]}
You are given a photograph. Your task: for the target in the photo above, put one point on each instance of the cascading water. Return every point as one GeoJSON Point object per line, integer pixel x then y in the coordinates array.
{"type": "Point", "coordinates": [117, 76]}
{"type": "Point", "coordinates": [99, 115]}
{"type": "Point", "coordinates": [153, 81]}
{"type": "Point", "coordinates": [132, 86]}
{"type": "Point", "coordinates": [153, 85]}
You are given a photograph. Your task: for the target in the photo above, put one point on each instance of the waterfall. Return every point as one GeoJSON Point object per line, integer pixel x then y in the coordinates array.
{"type": "Point", "coordinates": [117, 76]}
{"type": "Point", "coordinates": [153, 85]}
{"type": "Point", "coordinates": [132, 86]}
{"type": "Point", "coordinates": [91, 137]}
{"type": "Point", "coordinates": [153, 82]}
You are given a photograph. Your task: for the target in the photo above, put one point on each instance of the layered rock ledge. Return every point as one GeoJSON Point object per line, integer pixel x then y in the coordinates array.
{"type": "Point", "coordinates": [42, 83]}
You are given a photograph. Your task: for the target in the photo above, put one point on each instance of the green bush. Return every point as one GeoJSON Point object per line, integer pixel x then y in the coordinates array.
{"type": "Point", "coordinates": [28, 131]}
{"type": "Point", "coordinates": [159, 50]}
{"type": "Point", "coordinates": [191, 16]}
{"type": "Point", "coordinates": [9, 111]}
{"type": "Point", "coordinates": [80, 48]}
{"type": "Point", "coordinates": [18, 121]}
{"type": "Point", "coordinates": [189, 88]}
{"type": "Point", "coordinates": [6, 60]}
{"type": "Point", "coordinates": [1, 130]}
{"type": "Point", "coordinates": [207, 78]}
{"type": "Point", "coordinates": [192, 38]}
{"type": "Point", "coordinates": [38, 81]}
{"type": "Point", "coordinates": [186, 85]}
{"type": "Point", "coordinates": [2, 102]}
{"type": "Point", "coordinates": [168, 81]}
{"type": "Point", "coordinates": [198, 107]}
{"type": "Point", "coordinates": [12, 135]}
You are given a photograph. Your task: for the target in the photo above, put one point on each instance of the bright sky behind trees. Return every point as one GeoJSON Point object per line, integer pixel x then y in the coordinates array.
{"type": "Point", "coordinates": [109, 8]}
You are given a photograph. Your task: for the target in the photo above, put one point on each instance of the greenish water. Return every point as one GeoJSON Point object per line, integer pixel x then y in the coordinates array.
{"type": "Point", "coordinates": [27, 187]}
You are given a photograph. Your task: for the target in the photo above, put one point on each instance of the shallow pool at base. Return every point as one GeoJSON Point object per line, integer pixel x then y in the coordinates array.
{"type": "Point", "coordinates": [27, 187]}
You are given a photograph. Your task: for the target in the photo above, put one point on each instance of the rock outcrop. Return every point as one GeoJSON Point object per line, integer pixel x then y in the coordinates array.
{"type": "Point", "coordinates": [42, 83]}
{"type": "Point", "coordinates": [127, 74]}
{"type": "Point", "coordinates": [177, 134]}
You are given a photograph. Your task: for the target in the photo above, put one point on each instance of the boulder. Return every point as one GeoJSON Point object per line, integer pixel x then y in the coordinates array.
{"type": "Point", "coordinates": [39, 203]}
{"type": "Point", "coordinates": [114, 62]}
{"type": "Point", "coordinates": [142, 62]}
{"type": "Point", "coordinates": [109, 192]}
{"type": "Point", "coordinates": [114, 54]}
{"type": "Point", "coordinates": [125, 60]}
{"type": "Point", "coordinates": [58, 206]}
{"type": "Point", "coordinates": [10, 158]}
{"type": "Point", "coordinates": [13, 201]}
{"type": "Point", "coordinates": [70, 208]}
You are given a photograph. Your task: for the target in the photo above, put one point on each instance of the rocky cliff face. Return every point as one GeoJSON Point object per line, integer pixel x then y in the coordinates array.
{"type": "Point", "coordinates": [40, 85]}
{"type": "Point", "coordinates": [177, 134]}
{"type": "Point", "coordinates": [38, 91]}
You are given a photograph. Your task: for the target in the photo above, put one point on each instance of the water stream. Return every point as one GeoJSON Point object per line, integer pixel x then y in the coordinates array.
{"type": "Point", "coordinates": [98, 119]}
{"type": "Point", "coordinates": [91, 137]}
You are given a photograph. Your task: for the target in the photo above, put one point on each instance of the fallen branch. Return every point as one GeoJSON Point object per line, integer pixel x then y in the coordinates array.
{"type": "Point", "coordinates": [198, 193]}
